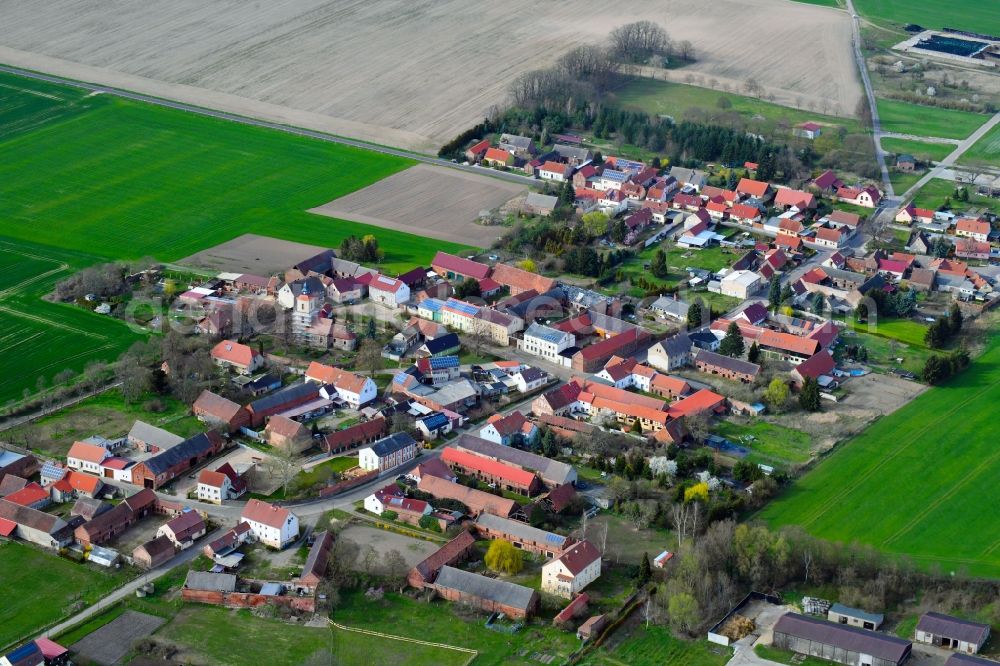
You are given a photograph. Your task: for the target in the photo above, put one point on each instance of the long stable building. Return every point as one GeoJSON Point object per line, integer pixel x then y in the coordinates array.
{"type": "Point", "coordinates": [841, 643]}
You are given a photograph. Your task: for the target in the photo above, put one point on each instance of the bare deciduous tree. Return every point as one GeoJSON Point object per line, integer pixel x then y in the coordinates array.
{"type": "Point", "coordinates": [637, 42]}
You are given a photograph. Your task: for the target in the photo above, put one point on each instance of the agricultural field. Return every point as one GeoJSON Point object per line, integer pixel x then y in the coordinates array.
{"type": "Point", "coordinates": [905, 118]}
{"type": "Point", "coordinates": [106, 415]}
{"type": "Point", "coordinates": [934, 193]}
{"type": "Point", "coordinates": [220, 635]}
{"type": "Point", "coordinates": [39, 588]}
{"type": "Point", "coordinates": [653, 646]}
{"type": "Point", "coordinates": [443, 203]}
{"type": "Point", "coordinates": [987, 149]}
{"type": "Point", "coordinates": [411, 75]}
{"type": "Point", "coordinates": [674, 99]}
{"type": "Point", "coordinates": [40, 338]}
{"type": "Point", "coordinates": [922, 150]}
{"type": "Point", "coordinates": [916, 482]}
{"type": "Point", "coordinates": [92, 180]}
{"type": "Point", "coordinates": [970, 15]}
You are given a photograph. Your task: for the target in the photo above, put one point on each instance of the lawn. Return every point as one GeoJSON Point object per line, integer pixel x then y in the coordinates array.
{"type": "Point", "coordinates": [770, 443]}
{"type": "Point", "coordinates": [933, 195]}
{"type": "Point", "coordinates": [987, 149]}
{"type": "Point", "coordinates": [655, 645]}
{"type": "Point", "coordinates": [220, 635]}
{"type": "Point", "coordinates": [922, 150]}
{"type": "Point", "coordinates": [438, 622]}
{"type": "Point", "coordinates": [40, 588]}
{"type": "Point", "coordinates": [123, 179]}
{"type": "Point", "coordinates": [106, 415]}
{"type": "Point", "coordinates": [679, 259]}
{"type": "Point", "coordinates": [883, 351]}
{"type": "Point", "coordinates": [905, 118]}
{"type": "Point", "coordinates": [788, 657]}
{"type": "Point", "coordinates": [673, 99]}
{"type": "Point", "coordinates": [902, 181]}
{"type": "Point", "coordinates": [907, 331]}
{"type": "Point", "coordinates": [970, 15]}
{"type": "Point", "coordinates": [918, 482]}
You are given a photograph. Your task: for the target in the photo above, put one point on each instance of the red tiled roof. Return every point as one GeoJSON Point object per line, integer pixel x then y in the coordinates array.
{"type": "Point", "coordinates": [7, 527]}
{"type": "Point", "coordinates": [752, 187]}
{"type": "Point", "coordinates": [476, 500]}
{"type": "Point", "coordinates": [609, 346]}
{"type": "Point", "coordinates": [521, 280]}
{"type": "Point", "coordinates": [89, 452]}
{"type": "Point", "coordinates": [83, 482]}
{"type": "Point", "coordinates": [480, 147]}
{"type": "Point", "coordinates": [797, 198]}
{"type": "Point", "coordinates": [216, 406]}
{"type": "Point", "coordinates": [30, 494]}
{"type": "Point", "coordinates": [579, 556]}
{"type": "Point", "coordinates": [826, 180]}
{"type": "Point", "coordinates": [697, 402]}
{"type": "Point", "coordinates": [673, 385]}
{"type": "Point", "coordinates": [827, 234]}
{"type": "Point", "coordinates": [460, 266]}
{"type": "Point", "coordinates": [486, 466]}
{"type": "Point", "coordinates": [511, 424]}
{"type": "Point", "coordinates": [745, 212]}
{"type": "Point", "coordinates": [845, 218]}
{"type": "Point", "coordinates": [816, 365]}
{"type": "Point", "coordinates": [557, 167]}
{"type": "Point", "coordinates": [342, 379]}
{"type": "Point", "coordinates": [971, 226]}
{"type": "Point", "coordinates": [231, 351]}
{"type": "Point", "coordinates": [264, 513]}
{"type": "Point", "coordinates": [212, 478]}
{"type": "Point", "coordinates": [497, 154]}
{"type": "Point", "coordinates": [361, 432]}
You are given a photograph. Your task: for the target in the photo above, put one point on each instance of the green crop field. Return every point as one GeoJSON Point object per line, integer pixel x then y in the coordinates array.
{"type": "Point", "coordinates": [905, 118]}
{"type": "Point", "coordinates": [822, 3]}
{"type": "Point", "coordinates": [920, 482]}
{"type": "Point", "coordinates": [673, 99]}
{"type": "Point", "coordinates": [973, 15]}
{"type": "Point", "coordinates": [987, 149]}
{"type": "Point", "coordinates": [39, 588]}
{"type": "Point", "coordinates": [40, 338]}
{"type": "Point", "coordinates": [123, 179]}
{"type": "Point", "coordinates": [922, 150]}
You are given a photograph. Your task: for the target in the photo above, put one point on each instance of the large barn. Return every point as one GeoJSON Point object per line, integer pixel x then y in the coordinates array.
{"type": "Point", "coordinates": [838, 642]}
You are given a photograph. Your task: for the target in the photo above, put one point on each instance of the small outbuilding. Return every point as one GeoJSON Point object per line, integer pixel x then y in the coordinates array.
{"type": "Point", "coordinates": [951, 633]}
{"type": "Point", "coordinates": [854, 617]}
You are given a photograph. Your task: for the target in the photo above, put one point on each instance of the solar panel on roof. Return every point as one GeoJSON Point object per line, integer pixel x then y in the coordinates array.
{"type": "Point", "coordinates": [444, 362]}
{"type": "Point", "coordinates": [462, 306]}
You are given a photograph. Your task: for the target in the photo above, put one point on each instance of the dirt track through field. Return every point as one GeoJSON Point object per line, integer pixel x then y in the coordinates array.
{"type": "Point", "coordinates": [429, 201]}
{"type": "Point", "coordinates": [407, 74]}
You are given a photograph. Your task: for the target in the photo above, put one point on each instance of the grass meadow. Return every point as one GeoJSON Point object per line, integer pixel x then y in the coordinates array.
{"type": "Point", "coordinates": [933, 194]}
{"type": "Point", "coordinates": [40, 588]}
{"type": "Point", "coordinates": [919, 483]}
{"type": "Point", "coordinates": [987, 149]}
{"type": "Point", "coordinates": [970, 15]}
{"type": "Point", "coordinates": [918, 120]}
{"type": "Point", "coordinates": [922, 150]}
{"type": "Point", "coordinates": [674, 99]}
{"type": "Point", "coordinates": [655, 645]}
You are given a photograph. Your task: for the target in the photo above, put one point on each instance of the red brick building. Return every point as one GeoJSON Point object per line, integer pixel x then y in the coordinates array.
{"type": "Point", "coordinates": [507, 477]}
{"type": "Point", "coordinates": [171, 463]}
{"type": "Point", "coordinates": [594, 357]}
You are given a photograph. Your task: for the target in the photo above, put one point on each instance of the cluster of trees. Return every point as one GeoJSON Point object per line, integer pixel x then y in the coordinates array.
{"type": "Point", "coordinates": [938, 368]}
{"type": "Point", "coordinates": [468, 288]}
{"type": "Point", "coordinates": [853, 351]}
{"type": "Point", "coordinates": [361, 250]}
{"type": "Point", "coordinates": [503, 557]}
{"type": "Point", "coordinates": [778, 294]}
{"type": "Point", "coordinates": [568, 245]}
{"type": "Point", "coordinates": [901, 303]}
{"type": "Point", "coordinates": [944, 328]}
{"type": "Point", "coordinates": [104, 280]}
{"type": "Point", "coordinates": [140, 369]}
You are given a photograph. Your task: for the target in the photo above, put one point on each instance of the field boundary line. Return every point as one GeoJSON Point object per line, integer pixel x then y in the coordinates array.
{"type": "Point", "coordinates": [978, 469]}
{"type": "Point", "coordinates": [832, 501]}
{"type": "Point", "coordinates": [54, 324]}
{"type": "Point", "coordinates": [379, 634]}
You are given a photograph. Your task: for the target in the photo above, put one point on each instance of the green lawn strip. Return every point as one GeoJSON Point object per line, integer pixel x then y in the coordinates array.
{"type": "Point", "coordinates": [906, 118]}
{"type": "Point", "coordinates": [937, 190]}
{"type": "Point", "coordinates": [902, 181]}
{"type": "Point", "coordinates": [94, 179]}
{"type": "Point", "coordinates": [915, 482]}
{"type": "Point", "coordinates": [220, 634]}
{"type": "Point", "coordinates": [771, 442]}
{"type": "Point", "coordinates": [907, 626]}
{"type": "Point", "coordinates": [787, 656]}
{"type": "Point", "coordinates": [40, 588]}
{"type": "Point", "coordinates": [922, 150]}
{"type": "Point", "coordinates": [907, 331]}
{"type": "Point", "coordinates": [987, 149]}
{"type": "Point", "coordinates": [84, 629]}
{"type": "Point", "coordinates": [673, 99]}
{"type": "Point", "coordinates": [655, 645]}
{"type": "Point", "coordinates": [822, 3]}
{"type": "Point", "coordinates": [970, 15]}
{"type": "Point", "coordinates": [438, 622]}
